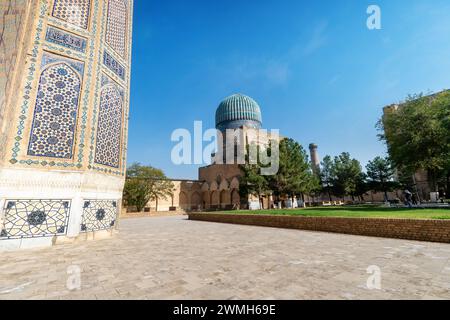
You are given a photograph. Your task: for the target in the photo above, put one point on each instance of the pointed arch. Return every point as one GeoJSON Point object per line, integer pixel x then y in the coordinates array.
{"type": "Point", "coordinates": [225, 198]}
{"type": "Point", "coordinates": [56, 110]}
{"type": "Point", "coordinates": [196, 200]}
{"type": "Point", "coordinates": [184, 201]}
{"type": "Point", "coordinates": [215, 199]}
{"type": "Point", "coordinates": [235, 198]}
{"type": "Point", "coordinates": [223, 185]}
{"type": "Point", "coordinates": [234, 183]}
{"type": "Point", "coordinates": [109, 127]}
{"type": "Point", "coordinates": [206, 200]}
{"type": "Point", "coordinates": [214, 186]}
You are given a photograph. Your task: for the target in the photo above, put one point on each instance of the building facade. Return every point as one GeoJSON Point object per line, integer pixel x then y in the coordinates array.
{"type": "Point", "coordinates": [64, 106]}
{"type": "Point", "coordinates": [217, 187]}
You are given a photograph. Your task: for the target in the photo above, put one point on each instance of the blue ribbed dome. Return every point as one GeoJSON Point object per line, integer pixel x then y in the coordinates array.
{"type": "Point", "coordinates": [237, 111]}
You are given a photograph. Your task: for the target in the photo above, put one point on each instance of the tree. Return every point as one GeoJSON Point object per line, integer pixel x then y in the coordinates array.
{"type": "Point", "coordinates": [346, 175]}
{"type": "Point", "coordinates": [295, 174]}
{"type": "Point", "coordinates": [326, 175]}
{"type": "Point", "coordinates": [362, 186]}
{"type": "Point", "coordinates": [253, 183]}
{"type": "Point", "coordinates": [294, 177]}
{"type": "Point", "coordinates": [144, 184]}
{"type": "Point", "coordinates": [380, 173]}
{"type": "Point", "coordinates": [417, 135]}
{"type": "Point", "coordinates": [310, 186]}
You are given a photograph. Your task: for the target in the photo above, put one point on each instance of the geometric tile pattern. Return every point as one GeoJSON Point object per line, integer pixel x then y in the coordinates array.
{"type": "Point", "coordinates": [113, 65]}
{"type": "Point", "coordinates": [53, 131]}
{"type": "Point", "coordinates": [89, 100]}
{"type": "Point", "coordinates": [48, 59]}
{"type": "Point", "coordinates": [65, 39]}
{"type": "Point", "coordinates": [75, 12]}
{"type": "Point", "coordinates": [109, 127]}
{"type": "Point", "coordinates": [99, 215]}
{"type": "Point", "coordinates": [35, 218]}
{"type": "Point", "coordinates": [116, 30]}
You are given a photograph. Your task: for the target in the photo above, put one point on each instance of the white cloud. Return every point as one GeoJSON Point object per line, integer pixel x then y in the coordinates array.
{"type": "Point", "coordinates": [318, 39]}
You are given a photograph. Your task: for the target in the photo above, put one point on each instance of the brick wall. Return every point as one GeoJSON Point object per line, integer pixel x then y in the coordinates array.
{"type": "Point", "coordinates": [421, 230]}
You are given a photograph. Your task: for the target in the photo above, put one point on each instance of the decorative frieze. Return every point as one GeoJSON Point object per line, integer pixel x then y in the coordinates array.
{"type": "Point", "coordinates": [66, 39]}
{"type": "Point", "coordinates": [113, 65]}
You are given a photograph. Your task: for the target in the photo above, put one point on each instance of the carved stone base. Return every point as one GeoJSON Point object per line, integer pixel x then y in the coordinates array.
{"type": "Point", "coordinates": [41, 208]}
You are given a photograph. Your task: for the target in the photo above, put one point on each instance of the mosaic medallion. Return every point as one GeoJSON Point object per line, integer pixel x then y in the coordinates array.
{"type": "Point", "coordinates": [99, 215]}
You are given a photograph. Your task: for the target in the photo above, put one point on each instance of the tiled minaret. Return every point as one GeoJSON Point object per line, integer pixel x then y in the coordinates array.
{"type": "Point", "coordinates": [64, 101]}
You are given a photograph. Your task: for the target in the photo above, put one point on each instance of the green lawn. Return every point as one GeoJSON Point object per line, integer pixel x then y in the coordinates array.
{"type": "Point", "coordinates": [358, 212]}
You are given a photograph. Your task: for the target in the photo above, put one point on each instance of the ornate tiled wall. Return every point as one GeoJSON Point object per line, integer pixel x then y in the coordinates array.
{"type": "Point", "coordinates": [99, 215]}
{"type": "Point", "coordinates": [67, 109]}
{"type": "Point", "coordinates": [35, 218]}
{"type": "Point", "coordinates": [116, 35]}
{"type": "Point", "coordinates": [56, 109]}
{"type": "Point", "coordinates": [75, 12]}
{"type": "Point", "coordinates": [109, 128]}
{"type": "Point", "coordinates": [70, 113]}
{"type": "Point", "coordinates": [66, 39]}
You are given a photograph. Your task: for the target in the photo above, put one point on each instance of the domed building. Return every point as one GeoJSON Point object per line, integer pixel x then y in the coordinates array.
{"type": "Point", "coordinates": [218, 184]}
{"type": "Point", "coordinates": [238, 111]}
{"type": "Point", "coordinates": [220, 180]}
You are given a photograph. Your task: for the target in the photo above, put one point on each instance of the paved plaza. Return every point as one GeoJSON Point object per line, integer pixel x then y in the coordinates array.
{"type": "Point", "coordinates": [173, 258]}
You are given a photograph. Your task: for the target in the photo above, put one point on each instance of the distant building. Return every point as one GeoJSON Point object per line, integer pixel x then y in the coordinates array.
{"type": "Point", "coordinates": [420, 179]}
{"type": "Point", "coordinates": [218, 184]}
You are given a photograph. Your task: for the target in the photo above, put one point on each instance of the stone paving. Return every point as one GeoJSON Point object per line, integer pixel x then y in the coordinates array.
{"type": "Point", "coordinates": [173, 258]}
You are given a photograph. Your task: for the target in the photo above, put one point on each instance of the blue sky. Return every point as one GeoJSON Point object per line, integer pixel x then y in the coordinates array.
{"type": "Point", "coordinates": [315, 69]}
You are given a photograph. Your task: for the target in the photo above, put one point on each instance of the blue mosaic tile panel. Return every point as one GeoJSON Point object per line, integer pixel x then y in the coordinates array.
{"type": "Point", "coordinates": [35, 218]}
{"type": "Point", "coordinates": [65, 39]}
{"type": "Point", "coordinates": [109, 127]}
{"type": "Point", "coordinates": [55, 114]}
{"type": "Point", "coordinates": [99, 215]}
{"type": "Point", "coordinates": [75, 12]}
{"type": "Point", "coordinates": [113, 65]}
{"type": "Point", "coordinates": [48, 59]}
{"type": "Point", "coordinates": [116, 30]}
